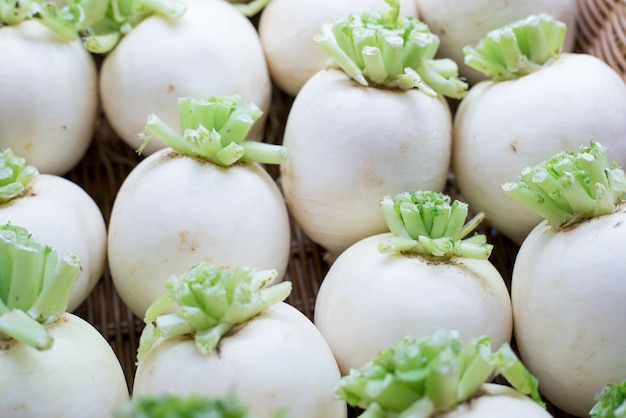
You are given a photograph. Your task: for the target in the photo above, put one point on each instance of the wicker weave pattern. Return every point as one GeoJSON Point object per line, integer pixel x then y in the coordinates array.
{"type": "Point", "coordinates": [602, 31]}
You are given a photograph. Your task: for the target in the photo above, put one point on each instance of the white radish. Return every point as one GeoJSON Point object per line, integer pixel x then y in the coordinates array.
{"type": "Point", "coordinates": [212, 49]}
{"type": "Point", "coordinates": [58, 212]}
{"type": "Point", "coordinates": [287, 29]}
{"type": "Point", "coordinates": [567, 286]}
{"type": "Point", "coordinates": [440, 376]}
{"type": "Point", "coordinates": [53, 363]}
{"type": "Point", "coordinates": [376, 126]}
{"type": "Point", "coordinates": [204, 200]}
{"type": "Point", "coordinates": [520, 118]}
{"type": "Point", "coordinates": [411, 283]}
{"type": "Point", "coordinates": [459, 23]}
{"type": "Point", "coordinates": [242, 340]}
{"type": "Point", "coordinates": [49, 102]}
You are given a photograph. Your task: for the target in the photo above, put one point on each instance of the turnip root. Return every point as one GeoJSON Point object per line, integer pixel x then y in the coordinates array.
{"type": "Point", "coordinates": [49, 101]}
{"type": "Point", "coordinates": [379, 124]}
{"type": "Point", "coordinates": [234, 334]}
{"type": "Point", "coordinates": [287, 29]}
{"type": "Point", "coordinates": [412, 282]}
{"type": "Point", "coordinates": [567, 284]}
{"type": "Point", "coordinates": [201, 199]}
{"type": "Point", "coordinates": [212, 49]}
{"type": "Point", "coordinates": [58, 212]}
{"type": "Point", "coordinates": [53, 363]}
{"type": "Point", "coordinates": [438, 376]}
{"type": "Point", "coordinates": [542, 102]}
{"type": "Point", "coordinates": [459, 23]}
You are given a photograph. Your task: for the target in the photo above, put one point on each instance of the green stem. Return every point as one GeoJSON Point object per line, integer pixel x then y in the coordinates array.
{"type": "Point", "coordinates": [571, 187]}
{"type": "Point", "coordinates": [34, 284]}
{"type": "Point", "coordinates": [389, 50]}
{"type": "Point", "coordinates": [426, 223]}
{"type": "Point", "coordinates": [210, 301]}
{"type": "Point", "coordinates": [20, 326]}
{"type": "Point", "coordinates": [517, 49]}
{"type": "Point", "coordinates": [215, 130]}
{"type": "Point", "coordinates": [420, 378]}
{"type": "Point", "coordinates": [15, 175]}
{"type": "Point", "coordinates": [252, 8]}
{"type": "Point", "coordinates": [610, 402]}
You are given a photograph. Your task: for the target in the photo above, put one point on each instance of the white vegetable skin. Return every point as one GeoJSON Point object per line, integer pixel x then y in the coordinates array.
{"type": "Point", "coordinates": [350, 145]}
{"type": "Point", "coordinates": [78, 376]}
{"type": "Point", "coordinates": [459, 23]}
{"type": "Point", "coordinates": [495, 401]}
{"type": "Point", "coordinates": [174, 211]}
{"type": "Point", "coordinates": [60, 213]}
{"type": "Point", "coordinates": [369, 301]}
{"type": "Point", "coordinates": [276, 360]}
{"type": "Point", "coordinates": [502, 127]}
{"type": "Point", "coordinates": [567, 295]}
{"type": "Point", "coordinates": [211, 50]}
{"type": "Point", "coordinates": [48, 117]}
{"type": "Point", "coordinates": [287, 28]}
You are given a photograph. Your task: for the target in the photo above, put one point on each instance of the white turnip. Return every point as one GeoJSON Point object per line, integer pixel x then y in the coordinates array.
{"type": "Point", "coordinates": [58, 212]}
{"type": "Point", "coordinates": [201, 199]}
{"type": "Point", "coordinates": [378, 125]}
{"type": "Point", "coordinates": [211, 50]}
{"type": "Point", "coordinates": [537, 103]}
{"type": "Point", "coordinates": [287, 29]}
{"type": "Point", "coordinates": [412, 282]}
{"type": "Point", "coordinates": [439, 376]}
{"type": "Point", "coordinates": [567, 286]}
{"type": "Point", "coordinates": [459, 23]}
{"type": "Point", "coordinates": [49, 101]}
{"type": "Point", "coordinates": [53, 363]}
{"type": "Point", "coordinates": [234, 334]}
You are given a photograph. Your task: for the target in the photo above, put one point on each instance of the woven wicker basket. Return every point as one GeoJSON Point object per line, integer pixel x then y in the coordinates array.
{"type": "Point", "coordinates": [602, 32]}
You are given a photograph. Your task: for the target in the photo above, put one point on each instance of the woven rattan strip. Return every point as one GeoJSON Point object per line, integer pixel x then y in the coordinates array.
{"type": "Point", "coordinates": [602, 31]}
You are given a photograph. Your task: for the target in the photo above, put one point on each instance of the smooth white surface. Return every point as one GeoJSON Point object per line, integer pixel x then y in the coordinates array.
{"type": "Point", "coordinates": [348, 146]}
{"type": "Point", "coordinates": [173, 212]}
{"type": "Point", "coordinates": [211, 50]}
{"type": "Point", "coordinates": [49, 100]}
{"type": "Point", "coordinates": [568, 308]}
{"type": "Point", "coordinates": [369, 301]}
{"type": "Point", "coordinates": [80, 376]}
{"type": "Point", "coordinates": [502, 127]}
{"type": "Point", "coordinates": [276, 360]}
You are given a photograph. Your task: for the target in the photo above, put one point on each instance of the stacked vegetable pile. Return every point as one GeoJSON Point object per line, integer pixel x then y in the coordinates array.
{"type": "Point", "coordinates": [236, 178]}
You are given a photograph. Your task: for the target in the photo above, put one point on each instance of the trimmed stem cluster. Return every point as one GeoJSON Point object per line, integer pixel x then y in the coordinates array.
{"type": "Point", "coordinates": [610, 402]}
{"type": "Point", "coordinates": [571, 186]}
{"type": "Point", "coordinates": [120, 17]}
{"type": "Point", "coordinates": [15, 175]}
{"type": "Point", "coordinates": [390, 50]}
{"type": "Point", "coordinates": [60, 21]}
{"type": "Point", "coordinates": [421, 377]}
{"type": "Point", "coordinates": [211, 301]}
{"type": "Point", "coordinates": [35, 286]}
{"type": "Point", "coordinates": [517, 49]}
{"type": "Point", "coordinates": [100, 24]}
{"type": "Point", "coordinates": [172, 405]}
{"type": "Point", "coordinates": [428, 223]}
{"type": "Point", "coordinates": [214, 129]}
